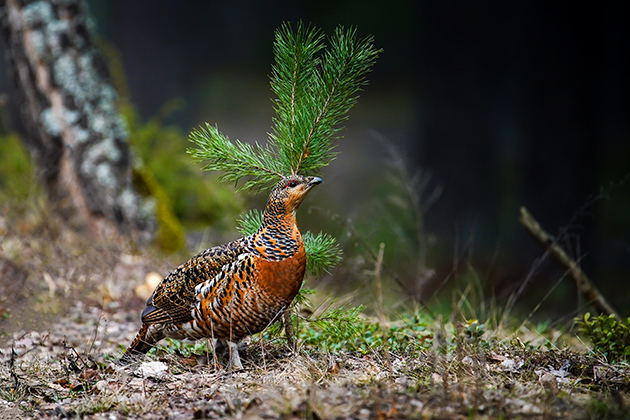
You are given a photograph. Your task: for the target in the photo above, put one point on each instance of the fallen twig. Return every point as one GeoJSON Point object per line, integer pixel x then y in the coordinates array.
{"type": "Point", "coordinates": [583, 283]}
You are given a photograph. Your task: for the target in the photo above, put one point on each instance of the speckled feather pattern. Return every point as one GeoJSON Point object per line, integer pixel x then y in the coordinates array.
{"type": "Point", "coordinates": [236, 289]}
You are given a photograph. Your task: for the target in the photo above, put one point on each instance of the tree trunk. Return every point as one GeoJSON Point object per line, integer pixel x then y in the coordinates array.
{"type": "Point", "coordinates": [69, 108]}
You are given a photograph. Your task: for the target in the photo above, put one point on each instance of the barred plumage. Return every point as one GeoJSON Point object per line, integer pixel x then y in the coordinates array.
{"type": "Point", "coordinates": [236, 289]}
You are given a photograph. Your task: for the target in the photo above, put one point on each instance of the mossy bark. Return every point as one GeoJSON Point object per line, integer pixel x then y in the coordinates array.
{"type": "Point", "coordinates": [70, 110]}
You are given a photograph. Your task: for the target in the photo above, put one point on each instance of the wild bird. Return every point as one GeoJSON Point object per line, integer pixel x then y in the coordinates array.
{"type": "Point", "coordinates": [236, 289]}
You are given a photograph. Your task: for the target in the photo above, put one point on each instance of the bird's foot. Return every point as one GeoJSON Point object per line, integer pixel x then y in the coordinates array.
{"type": "Point", "coordinates": [235, 360]}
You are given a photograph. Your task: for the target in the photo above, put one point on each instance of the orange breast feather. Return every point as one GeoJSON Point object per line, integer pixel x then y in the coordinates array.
{"type": "Point", "coordinates": [283, 279]}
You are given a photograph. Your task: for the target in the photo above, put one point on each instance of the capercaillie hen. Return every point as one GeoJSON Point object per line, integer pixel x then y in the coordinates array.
{"type": "Point", "coordinates": [236, 289]}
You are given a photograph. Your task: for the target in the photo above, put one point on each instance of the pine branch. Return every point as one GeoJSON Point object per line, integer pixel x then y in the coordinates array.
{"type": "Point", "coordinates": [344, 67]}
{"type": "Point", "coordinates": [314, 95]}
{"type": "Point", "coordinates": [294, 70]}
{"type": "Point", "coordinates": [235, 160]}
{"type": "Point", "coordinates": [322, 252]}
{"type": "Point", "coordinates": [250, 222]}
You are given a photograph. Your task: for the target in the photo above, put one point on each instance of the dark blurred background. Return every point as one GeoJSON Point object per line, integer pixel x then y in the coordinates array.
{"type": "Point", "coordinates": [505, 103]}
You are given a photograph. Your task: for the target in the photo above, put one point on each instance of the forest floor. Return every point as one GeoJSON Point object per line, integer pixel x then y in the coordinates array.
{"type": "Point", "coordinates": [69, 371]}
{"type": "Point", "coordinates": [63, 364]}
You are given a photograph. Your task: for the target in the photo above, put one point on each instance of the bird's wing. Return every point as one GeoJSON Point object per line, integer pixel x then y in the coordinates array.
{"type": "Point", "coordinates": [229, 293]}
{"type": "Point", "coordinates": [229, 283]}
{"type": "Point", "coordinates": [172, 299]}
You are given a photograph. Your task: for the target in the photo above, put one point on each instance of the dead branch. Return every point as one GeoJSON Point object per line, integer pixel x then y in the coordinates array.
{"type": "Point", "coordinates": [583, 283]}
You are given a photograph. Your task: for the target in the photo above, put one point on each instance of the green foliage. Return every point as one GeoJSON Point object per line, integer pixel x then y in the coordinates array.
{"type": "Point", "coordinates": [473, 330]}
{"type": "Point", "coordinates": [610, 337]}
{"type": "Point", "coordinates": [302, 300]}
{"type": "Point", "coordinates": [195, 200]}
{"type": "Point", "coordinates": [235, 160]}
{"type": "Point", "coordinates": [336, 329]}
{"type": "Point", "coordinates": [185, 348]}
{"type": "Point", "coordinates": [322, 253]}
{"type": "Point", "coordinates": [314, 95]}
{"type": "Point", "coordinates": [250, 222]}
{"type": "Point", "coordinates": [347, 329]}
{"type": "Point", "coordinates": [293, 77]}
{"type": "Point", "coordinates": [16, 170]}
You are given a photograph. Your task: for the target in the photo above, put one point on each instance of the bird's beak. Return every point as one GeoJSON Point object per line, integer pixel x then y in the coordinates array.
{"type": "Point", "coordinates": [314, 181]}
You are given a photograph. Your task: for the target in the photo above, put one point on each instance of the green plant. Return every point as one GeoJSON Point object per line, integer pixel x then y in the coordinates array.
{"type": "Point", "coordinates": [16, 171]}
{"type": "Point", "coordinates": [347, 329]}
{"type": "Point", "coordinates": [610, 337]}
{"type": "Point", "coordinates": [336, 329]}
{"type": "Point", "coordinates": [186, 349]}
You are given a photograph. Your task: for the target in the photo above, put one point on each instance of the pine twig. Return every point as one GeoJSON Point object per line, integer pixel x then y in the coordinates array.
{"type": "Point", "coordinates": [235, 160]}
{"type": "Point", "coordinates": [583, 283]}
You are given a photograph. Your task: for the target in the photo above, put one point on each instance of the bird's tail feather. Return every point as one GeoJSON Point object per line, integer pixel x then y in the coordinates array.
{"type": "Point", "coordinates": [139, 346]}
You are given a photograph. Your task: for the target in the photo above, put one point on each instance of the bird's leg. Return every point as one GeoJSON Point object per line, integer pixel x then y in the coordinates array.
{"type": "Point", "coordinates": [235, 360]}
{"type": "Point", "coordinates": [288, 329]}
{"type": "Point", "coordinates": [216, 348]}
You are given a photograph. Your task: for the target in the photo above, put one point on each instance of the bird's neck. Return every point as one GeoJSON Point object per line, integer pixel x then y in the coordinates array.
{"type": "Point", "coordinates": [277, 217]}
{"type": "Point", "coordinates": [278, 237]}
{"type": "Point", "coordinates": [279, 224]}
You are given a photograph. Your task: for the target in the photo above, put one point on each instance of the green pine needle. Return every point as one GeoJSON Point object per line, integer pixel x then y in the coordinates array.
{"type": "Point", "coordinates": [322, 253]}
{"type": "Point", "coordinates": [292, 79]}
{"type": "Point", "coordinates": [302, 298]}
{"type": "Point", "coordinates": [315, 94]}
{"type": "Point", "coordinates": [250, 222]}
{"type": "Point", "coordinates": [235, 160]}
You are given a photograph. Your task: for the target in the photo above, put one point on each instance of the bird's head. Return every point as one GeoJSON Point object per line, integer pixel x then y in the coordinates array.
{"type": "Point", "coordinates": [287, 195]}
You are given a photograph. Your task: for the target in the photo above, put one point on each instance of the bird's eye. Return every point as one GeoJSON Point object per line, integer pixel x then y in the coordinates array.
{"type": "Point", "coordinates": [292, 184]}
